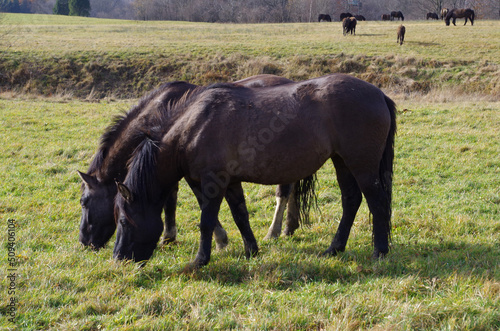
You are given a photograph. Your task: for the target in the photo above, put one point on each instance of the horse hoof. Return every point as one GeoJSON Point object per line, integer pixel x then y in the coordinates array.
{"type": "Point", "coordinates": [289, 231]}
{"type": "Point", "coordinates": [378, 255]}
{"type": "Point", "coordinates": [221, 239]}
{"type": "Point", "coordinates": [167, 240]}
{"type": "Point", "coordinates": [251, 252]}
{"type": "Point", "coordinates": [220, 244]}
{"type": "Point", "coordinates": [271, 236]}
{"type": "Point", "coordinates": [330, 252]}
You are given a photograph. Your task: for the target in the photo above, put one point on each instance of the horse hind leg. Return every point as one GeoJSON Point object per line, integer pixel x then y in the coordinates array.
{"type": "Point", "coordinates": [292, 213]}
{"type": "Point", "coordinates": [379, 204]}
{"type": "Point", "coordinates": [282, 198]}
{"type": "Point", "coordinates": [170, 228]}
{"type": "Point", "coordinates": [351, 200]}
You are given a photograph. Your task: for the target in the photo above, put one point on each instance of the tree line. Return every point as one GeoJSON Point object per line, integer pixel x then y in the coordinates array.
{"type": "Point", "coordinates": [248, 11]}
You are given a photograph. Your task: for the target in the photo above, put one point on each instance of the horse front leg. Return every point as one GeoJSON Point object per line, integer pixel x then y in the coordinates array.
{"type": "Point", "coordinates": [282, 198]}
{"type": "Point", "coordinates": [221, 239]}
{"type": "Point", "coordinates": [170, 228]}
{"type": "Point", "coordinates": [236, 201]}
{"type": "Point", "coordinates": [212, 195]}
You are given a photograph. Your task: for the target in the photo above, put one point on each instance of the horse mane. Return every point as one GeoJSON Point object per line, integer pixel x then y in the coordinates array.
{"type": "Point", "coordinates": [141, 178]}
{"type": "Point", "coordinates": [120, 123]}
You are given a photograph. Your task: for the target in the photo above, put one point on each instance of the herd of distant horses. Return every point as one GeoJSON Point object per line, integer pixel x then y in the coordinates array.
{"type": "Point", "coordinates": [264, 129]}
{"type": "Point", "coordinates": [446, 14]}
{"type": "Point", "coordinates": [349, 21]}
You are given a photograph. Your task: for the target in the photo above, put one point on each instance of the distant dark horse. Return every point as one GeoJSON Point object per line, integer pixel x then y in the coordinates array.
{"type": "Point", "coordinates": [401, 34]}
{"type": "Point", "coordinates": [433, 16]}
{"type": "Point", "coordinates": [344, 15]}
{"type": "Point", "coordinates": [460, 13]}
{"type": "Point", "coordinates": [386, 17]}
{"type": "Point", "coordinates": [97, 223]}
{"type": "Point", "coordinates": [398, 15]}
{"type": "Point", "coordinates": [444, 12]}
{"type": "Point", "coordinates": [360, 17]}
{"type": "Point", "coordinates": [304, 124]}
{"type": "Point", "coordinates": [349, 25]}
{"type": "Point", "coordinates": [324, 17]}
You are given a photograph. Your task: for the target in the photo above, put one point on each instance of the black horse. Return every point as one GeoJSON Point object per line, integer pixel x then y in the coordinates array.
{"type": "Point", "coordinates": [349, 25]}
{"type": "Point", "coordinates": [360, 17]}
{"type": "Point", "coordinates": [344, 15]}
{"type": "Point", "coordinates": [444, 12]}
{"type": "Point", "coordinates": [209, 139]}
{"type": "Point", "coordinates": [460, 13]}
{"type": "Point", "coordinates": [324, 17]}
{"type": "Point", "coordinates": [398, 15]}
{"type": "Point", "coordinates": [433, 16]}
{"type": "Point", "coordinates": [97, 223]}
{"type": "Point", "coordinates": [385, 17]}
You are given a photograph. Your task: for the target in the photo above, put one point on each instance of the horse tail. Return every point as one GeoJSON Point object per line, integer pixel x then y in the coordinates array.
{"type": "Point", "coordinates": [472, 16]}
{"type": "Point", "coordinates": [386, 169]}
{"type": "Point", "coordinates": [305, 197]}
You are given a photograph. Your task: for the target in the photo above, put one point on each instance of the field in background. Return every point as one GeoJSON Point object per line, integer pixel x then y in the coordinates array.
{"type": "Point", "coordinates": [441, 274]}
{"type": "Point", "coordinates": [93, 58]}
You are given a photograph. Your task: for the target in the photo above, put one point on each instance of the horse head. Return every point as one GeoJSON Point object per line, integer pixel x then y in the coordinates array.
{"type": "Point", "coordinates": [138, 207]}
{"type": "Point", "coordinates": [97, 223]}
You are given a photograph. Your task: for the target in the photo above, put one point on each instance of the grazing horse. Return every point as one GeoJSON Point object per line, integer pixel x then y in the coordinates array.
{"type": "Point", "coordinates": [386, 17]}
{"type": "Point", "coordinates": [349, 25]}
{"type": "Point", "coordinates": [360, 17]}
{"type": "Point", "coordinates": [444, 12]}
{"type": "Point", "coordinates": [324, 17]}
{"type": "Point", "coordinates": [211, 138]}
{"type": "Point", "coordinates": [433, 16]}
{"type": "Point", "coordinates": [401, 34]}
{"type": "Point", "coordinates": [97, 223]}
{"type": "Point", "coordinates": [460, 13]}
{"type": "Point", "coordinates": [344, 15]}
{"type": "Point", "coordinates": [398, 15]}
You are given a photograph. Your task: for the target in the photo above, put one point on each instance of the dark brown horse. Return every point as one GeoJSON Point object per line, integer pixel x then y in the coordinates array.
{"type": "Point", "coordinates": [444, 12]}
{"type": "Point", "coordinates": [344, 15]}
{"type": "Point", "coordinates": [223, 135]}
{"type": "Point", "coordinates": [398, 15]}
{"type": "Point", "coordinates": [324, 17]}
{"type": "Point", "coordinates": [97, 223]}
{"type": "Point", "coordinates": [460, 13]}
{"type": "Point", "coordinates": [349, 25]}
{"type": "Point", "coordinates": [401, 34]}
{"type": "Point", "coordinates": [386, 17]}
{"type": "Point", "coordinates": [433, 16]}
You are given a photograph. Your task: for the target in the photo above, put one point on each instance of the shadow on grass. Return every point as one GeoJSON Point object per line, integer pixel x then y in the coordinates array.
{"type": "Point", "coordinates": [303, 265]}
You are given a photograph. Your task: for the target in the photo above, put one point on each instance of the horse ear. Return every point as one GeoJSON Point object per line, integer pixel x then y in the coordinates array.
{"type": "Point", "coordinates": [90, 180]}
{"type": "Point", "coordinates": [125, 192]}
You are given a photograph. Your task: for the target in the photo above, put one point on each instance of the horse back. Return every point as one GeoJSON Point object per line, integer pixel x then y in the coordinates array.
{"type": "Point", "coordinates": [259, 132]}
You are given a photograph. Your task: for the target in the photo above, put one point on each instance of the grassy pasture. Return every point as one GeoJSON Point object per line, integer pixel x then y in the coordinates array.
{"type": "Point", "coordinates": [441, 274]}
{"type": "Point", "coordinates": [50, 55]}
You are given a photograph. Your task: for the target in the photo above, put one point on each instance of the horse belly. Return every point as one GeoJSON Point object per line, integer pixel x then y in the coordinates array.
{"type": "Point", "coordinates": [280, 158]}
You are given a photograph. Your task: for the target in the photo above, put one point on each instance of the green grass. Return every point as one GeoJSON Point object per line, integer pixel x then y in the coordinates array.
{"type": "Point", "coordinates": [442, 271]}
{"type": "Point", "coordinates": [424, 39]}
{"type": "Point", "coordinates": [53, 55]}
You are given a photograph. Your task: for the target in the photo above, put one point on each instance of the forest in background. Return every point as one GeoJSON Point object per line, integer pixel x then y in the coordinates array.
{"type": "Point", "coordinates": [258, 11]}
